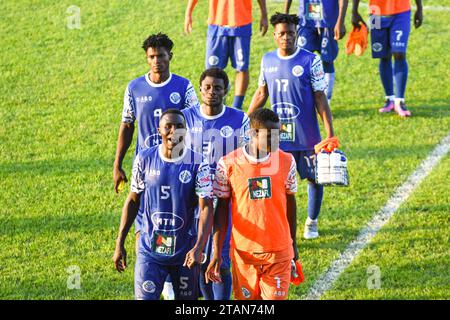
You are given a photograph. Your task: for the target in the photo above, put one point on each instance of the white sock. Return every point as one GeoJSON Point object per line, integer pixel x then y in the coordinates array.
{"type": "Point", "coordinates": [390, 98]}
{"type": "Point", "coordinates": [398, 101]}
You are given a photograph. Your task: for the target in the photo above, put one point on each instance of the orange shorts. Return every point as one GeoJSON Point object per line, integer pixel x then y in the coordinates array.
{"type": "Point", "coordinates": [254, 280]}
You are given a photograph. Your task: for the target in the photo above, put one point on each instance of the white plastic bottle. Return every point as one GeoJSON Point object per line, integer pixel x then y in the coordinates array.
{"type": "Point", "coordinates": [338, 168]}
{"type": "Point", "coordinates": [323, 168]}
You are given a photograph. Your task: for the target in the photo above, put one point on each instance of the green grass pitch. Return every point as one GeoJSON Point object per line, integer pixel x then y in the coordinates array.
{"type": "Point", "coordinates": [60, 108]}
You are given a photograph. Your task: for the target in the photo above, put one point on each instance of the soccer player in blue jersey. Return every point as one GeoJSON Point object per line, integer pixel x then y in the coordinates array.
{"type": "Point", "coordinates": [229, 36]}
{"type": "Point", "coordinates": [390, 25]}
{"type": "Point", "coordinates": [146, 98]}
{"type": "Point", "coordinates": [294, 80]}
{"type": "Point", "coordinates": [322, 23]}
{"type": "Point", "coordinates": [172, 180]}
{"type": "Point", "coordinates": [215, 130]}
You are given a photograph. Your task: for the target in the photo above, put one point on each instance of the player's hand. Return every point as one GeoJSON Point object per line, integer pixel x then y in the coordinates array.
{"type": "Point", "coordinates": [263, 25]}
{"type": "Point", "coordinates": [339, 30]}
{"type": "Point", "coordinates": [356, 19]}
{"type": "Point", "coordinates": [293, 269]}
{"type": "Point", "coordinates": [119, 176]}
{"type": "Point", "coordinates": [188, 24]}
{"type": "Point", "coordinates": [192, 257]}
{"type": "Point", "coordinates": [418, 18]}
{"type": "Point", "coordinates": [213, 271]}
{"type": "Point", "coordinates": [120, 258]}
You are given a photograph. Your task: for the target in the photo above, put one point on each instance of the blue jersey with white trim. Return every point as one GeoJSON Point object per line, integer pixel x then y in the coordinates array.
{"type": "Point", "coordinates": [291, 82]}
{"type": "Point", "coordinates": [171, 189]}
{"type": "Point", "coordinates": [145, 101]}
{"type": "Point", "coordinates": [318, 13]}
{"type": "Point", "coordinates": [216, 136]}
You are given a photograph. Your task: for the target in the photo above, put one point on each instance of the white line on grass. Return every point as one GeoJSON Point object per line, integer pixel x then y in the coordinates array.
{"type": "Point", "coordinates": [325, 281]}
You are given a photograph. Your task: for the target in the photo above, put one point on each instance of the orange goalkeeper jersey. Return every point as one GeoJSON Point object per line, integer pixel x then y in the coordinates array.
{"type": "Point", "coordinates": [257, 189]}
{"type": "Point", "coordinates": [389, 7]}
{"type": "Point", "coordinates": [231, 13]}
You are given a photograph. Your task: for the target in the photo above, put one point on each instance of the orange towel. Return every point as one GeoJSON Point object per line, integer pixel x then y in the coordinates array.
{"type": "Point", "coordinates": [328, 145]}
{"type": "Point", "coordinates": [357, 40]}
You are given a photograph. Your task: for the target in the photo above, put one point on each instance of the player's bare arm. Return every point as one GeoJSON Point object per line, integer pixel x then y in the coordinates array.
{"type": "Point", "coordinates": [188, 16]}
{"type": "Point", "coordinates": [259, 99]}
{"type": "Point", "coordinates": [204, 228]}
{"type": "Point", "coordinates": [129, 213]}
{"type": "Point", "coordinates": [263, 22]}
{"type": "Point", "coordinates": [418, 15]}
{"type": "Point", "coordinates": [292, 219]}
{"type": "Point", "coordinates": [323, 109]}
{"type": "Point", "coordinates": [339, 29]}
{"type": "Point", "coordinates": [221, 218]}
{"type": "Point", "coordinates": [356, 17]}
{"type": "Point", "coordinates": [287, 6]}
{"type": "Point", "coordinates": [126, 131]}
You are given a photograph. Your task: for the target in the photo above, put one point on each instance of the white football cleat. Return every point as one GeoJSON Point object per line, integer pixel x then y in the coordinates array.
{"type": "Point", "coordinates": [311, 229]}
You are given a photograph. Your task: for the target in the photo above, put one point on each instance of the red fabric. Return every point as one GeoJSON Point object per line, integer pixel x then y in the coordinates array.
{"type": "Point", "coordinates": [300, 276]}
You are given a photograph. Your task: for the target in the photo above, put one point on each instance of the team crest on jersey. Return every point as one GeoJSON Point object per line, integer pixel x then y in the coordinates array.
{"type": "Point", "coordinates": [245, 292]}
{"type": "Point", "coordinates": [287, 131]}
{"type": "Point", "coordinates": [175, 97]}
{"type": "Point", "coordinates": [302, 41]}
{"type": "Point", "coordinates": [377, 47]}
{"type": "Point", "coordinates": [226, 131]}
{"type": "Point", "coordinates": [213, 60]}
{"type": "Point", "coordinates": [297, 70]}
{"type": "Point", "coordinates": [149, 286]}
{"type": "Point", "coordinates": [260, 188]}
{"type": "Point", "coordinates": [185, 176]}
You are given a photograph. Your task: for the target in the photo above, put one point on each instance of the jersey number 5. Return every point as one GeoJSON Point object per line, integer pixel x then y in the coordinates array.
{"type": "Point", "coordinates": [165, 192]}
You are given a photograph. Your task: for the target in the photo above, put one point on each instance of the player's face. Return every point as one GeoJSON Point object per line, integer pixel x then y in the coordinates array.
{"type": "Point", "coordinates": [266, 136]}
{"type": "Point", "coordinates": [212, 91]}
{"type": "Point", "coordinates": [158, 59]}
{"type": "Point", "coordinates": [285, 35]}
{"type": "Point", "coordinates": [172, 129]}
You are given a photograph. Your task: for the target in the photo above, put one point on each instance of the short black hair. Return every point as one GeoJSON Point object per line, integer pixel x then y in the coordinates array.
{"type": "Point", "coordinates": [173, 111]}
{"type": "Point", "coordinates": [159, 40]}
{"type": "Point", "coordinates": [262, 115]}
{"type": "Point", "coordinates": [284, 18]}
{"type": "Point", "coordinates": [215, 73]}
